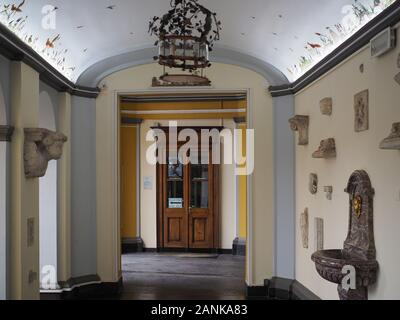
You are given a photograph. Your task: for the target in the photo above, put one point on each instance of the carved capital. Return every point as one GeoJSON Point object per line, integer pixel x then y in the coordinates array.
{"type": "Point", "coordinates": [328, 191]}
{"type": "Point", "coordinates": [41, 146]}
{"type": "Point", "coordinates": [397, 78]}
{"type": "Point", "coordinates": [326, 150]}
{"type": "Point", "coordinates": [301, 124]}
{"type": "Point", "coordinates": [6, 133]}
{"type": "Point", "coordinates": [392, 142]}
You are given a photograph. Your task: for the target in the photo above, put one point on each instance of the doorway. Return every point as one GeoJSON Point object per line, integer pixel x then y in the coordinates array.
{"type": "Point", "coordinates": [188, 192]}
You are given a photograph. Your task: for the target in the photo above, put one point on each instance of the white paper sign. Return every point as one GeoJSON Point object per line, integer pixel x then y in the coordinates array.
{"type": "Point", "coordinates": [176, 203]}
{"type": "Point", "coordinates": [148, 183]}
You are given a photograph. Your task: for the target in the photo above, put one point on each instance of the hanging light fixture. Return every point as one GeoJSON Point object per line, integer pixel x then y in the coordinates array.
{"type": "Point", "coordinates": [186, 35]}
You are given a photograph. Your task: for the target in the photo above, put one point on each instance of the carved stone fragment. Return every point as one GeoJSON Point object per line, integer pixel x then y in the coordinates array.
{"type": "Point", "coordinates": [392, 142]}
{"type": "Point", "coordinates": [301, 124]}
{"type": "Point", "coordinates": [313, 183]}
{"type": "Point", "coordinates": [41, 146]}
{"type": "Point", "coordinates": [328, 190]}
{"type": "Point", "coordinates": [6, 133]}
{"type": "Point", "coordinates": [326, 150]}
{"type": "Point", "coordinates": [319, 234]}
{"type": "Point", "coordinates": [397, 78]}
{"type": "Point", "coordinates": [361, 111]}
{"type": "Point", "coordinates": [326, 106]}
{"type": "Point", "coordinates": [304, 227]}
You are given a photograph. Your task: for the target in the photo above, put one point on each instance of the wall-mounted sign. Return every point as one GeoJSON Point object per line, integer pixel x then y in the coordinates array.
{"type": "Point", "coordinates": [148, 183]}
{"type": "Point", "coordinates": [176, 203]}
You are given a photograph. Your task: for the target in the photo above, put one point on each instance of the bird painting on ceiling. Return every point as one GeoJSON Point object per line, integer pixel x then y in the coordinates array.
{"type": "Point", "coordinates": [51, 43]}
{"type": "Point", "coordinates": [360, 13]}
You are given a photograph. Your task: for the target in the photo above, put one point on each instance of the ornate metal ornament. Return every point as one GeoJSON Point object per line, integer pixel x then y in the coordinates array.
{"type": "Point", "coordinates": [186, 35]}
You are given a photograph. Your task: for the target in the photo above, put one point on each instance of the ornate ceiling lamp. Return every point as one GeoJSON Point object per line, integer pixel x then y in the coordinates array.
{"type": "Point", "coordinates": [186, 35]}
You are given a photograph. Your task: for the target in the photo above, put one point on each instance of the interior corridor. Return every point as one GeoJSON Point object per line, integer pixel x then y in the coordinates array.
{"type": "Point", "coordinates": [165, 276]}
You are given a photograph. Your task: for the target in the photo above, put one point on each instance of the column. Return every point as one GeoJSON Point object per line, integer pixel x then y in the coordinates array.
{"type": "Point", "coordinates": [5, 137]}
{"type": "Point", "coordinates": [64, 191]}
{"type": "Point", "coordinates": [24, 264]}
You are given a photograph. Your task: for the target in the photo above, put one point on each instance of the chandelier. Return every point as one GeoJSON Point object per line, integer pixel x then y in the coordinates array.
{"type": "Point", "coordinates": [186, 34]}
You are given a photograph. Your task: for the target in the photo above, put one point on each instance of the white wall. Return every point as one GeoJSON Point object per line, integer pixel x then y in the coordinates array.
{"type": "Point", "coordinates": [148, 216]}
{"type": "Point", "coordinates": [355, 151]}
{"type": "Point", "coordinates": [48, 193]}
{"type": "Point", "coordinates": [223, 76]}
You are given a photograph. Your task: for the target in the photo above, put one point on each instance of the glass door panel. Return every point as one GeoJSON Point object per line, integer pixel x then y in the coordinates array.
{"type": "Point", "coordinates": [175, 184]}
{"type": "Point", "coordinates": [199, 192]}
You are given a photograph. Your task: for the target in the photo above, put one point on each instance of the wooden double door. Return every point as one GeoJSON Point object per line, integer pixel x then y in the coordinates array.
{"type": "Point", "coordinates": [189, 203]}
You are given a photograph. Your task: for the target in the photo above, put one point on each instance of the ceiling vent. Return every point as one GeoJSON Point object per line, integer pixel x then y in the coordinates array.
{"type": "Point", "coordinates": [383, 42]}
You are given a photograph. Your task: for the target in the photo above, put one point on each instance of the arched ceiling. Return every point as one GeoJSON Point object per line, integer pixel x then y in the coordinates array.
{"type": "Point", "coordinates": [291, 35]}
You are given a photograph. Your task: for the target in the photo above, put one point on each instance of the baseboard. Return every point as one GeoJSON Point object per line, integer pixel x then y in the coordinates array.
{"type": "Point", "coordinates": [281, 289]}
{"type": "Point", "coordinates": [84, 288]}
{"type": "Point", "coordinates": [132, 245]}
{"type": "Point", "coordinates": [239, 247]}
{"type": "Point", "coordinates": [257, 293]}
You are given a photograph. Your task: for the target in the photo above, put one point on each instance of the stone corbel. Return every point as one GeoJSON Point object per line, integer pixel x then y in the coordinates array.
{"type": "Point", "coordinates": [6, 133]}
{"type": "Point", "coordinates": [300, 124]}
{"type": "Point", "coordinates": [41, 146]}
{"type": "Point", "coordinates": [326, 150]}
{"type": "Point", "coordinates": [392, 142]}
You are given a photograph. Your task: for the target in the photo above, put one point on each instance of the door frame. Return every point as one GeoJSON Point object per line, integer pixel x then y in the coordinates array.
{"type": "Point", "coordinates": [215, 201]}
{"type": "Point", "coordinates": [116, 238]}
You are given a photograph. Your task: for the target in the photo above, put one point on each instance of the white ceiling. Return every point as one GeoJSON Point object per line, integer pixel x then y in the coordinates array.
{"type": "Point", "coordinates": [276, 31]}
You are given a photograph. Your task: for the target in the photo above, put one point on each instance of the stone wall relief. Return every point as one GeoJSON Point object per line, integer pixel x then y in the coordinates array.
{"type": "Point", "coordinates": [328, 191]}
{"type": "Point", "coordinates": [326, 150]}
{"type": "Point", "coordinates": [361, 111]}
{"type": "Point", "coordinates": [304, 227]}
{"type": "Point", "coordinates": [313, 183]}
{"type": "Point", "coordinates": [41, 146]}
{"type": "Point", "coordinates": [392, 142]}
{"type": "Point", "coordinates": [301, 124]}
{"type": "Point", "coordinates": [326, 105]}
{"type": "Point", "coordinates": [319, 234]}
{"type": "Point", "coordinates": [397, 76]}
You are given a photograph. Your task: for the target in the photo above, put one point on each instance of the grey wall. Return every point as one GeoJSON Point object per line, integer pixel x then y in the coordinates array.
{"type": "Point", "coordinates": [284, 188]}
{"type": "Point", "coordinates": [4, 176]}
{"type": "Point", "coordinates": [83, 187]}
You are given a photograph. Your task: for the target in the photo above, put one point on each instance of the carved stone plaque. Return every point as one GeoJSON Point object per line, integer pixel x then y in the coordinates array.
{"type": "Point", "coordinates": [304, 227]}
{"type": "Point", "coordinates": [313, 183]}
{"type": "Point", "coordinates": [328, 190]}
{"type": "Point", "coordinates": [361, 111]}
{"type": "Point", "coordinates": [326, 106]}
{"type": "Point", "coordinates": [319, 234]}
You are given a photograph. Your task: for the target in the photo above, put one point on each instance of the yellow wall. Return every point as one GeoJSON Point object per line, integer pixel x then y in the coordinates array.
{"type": "Point", "coordinates": [128, 181]}
{"type": "Point", "coordinates": [354, 151]}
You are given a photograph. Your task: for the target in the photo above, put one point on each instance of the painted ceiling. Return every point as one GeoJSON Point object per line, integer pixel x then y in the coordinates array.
{"type": "Point", "coordinates": [292, 35]}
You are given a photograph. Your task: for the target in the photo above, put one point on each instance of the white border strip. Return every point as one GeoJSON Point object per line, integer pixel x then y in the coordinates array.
{"type": "Point", "coordinates": [200, 111]}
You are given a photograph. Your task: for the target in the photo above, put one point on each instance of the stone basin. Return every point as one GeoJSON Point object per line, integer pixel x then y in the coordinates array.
{"type": "Point", "coordinates": [330, 263]}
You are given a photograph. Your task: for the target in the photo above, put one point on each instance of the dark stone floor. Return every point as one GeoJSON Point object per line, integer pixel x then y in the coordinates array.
{"type": "Point", "coordinates": [150, 276]}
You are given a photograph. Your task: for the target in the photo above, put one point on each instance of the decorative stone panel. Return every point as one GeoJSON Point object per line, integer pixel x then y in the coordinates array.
{"type": "Point", "coordinates": [301, 124]}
